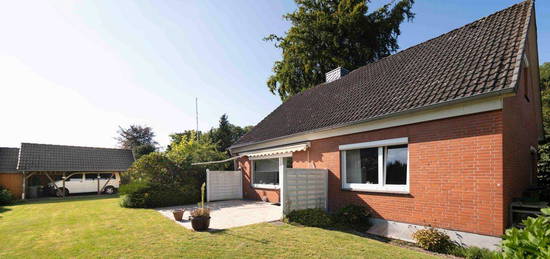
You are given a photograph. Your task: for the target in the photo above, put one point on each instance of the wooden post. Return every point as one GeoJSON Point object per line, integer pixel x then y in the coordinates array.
{"type": "Point", "coordinates": [108, 180]}
{"type": "Point", "coordinates": [51, 180]}
{"type": "Point", "coordinates": [63, 184]}
{"type": "Point", "coordinates": [24, 181]}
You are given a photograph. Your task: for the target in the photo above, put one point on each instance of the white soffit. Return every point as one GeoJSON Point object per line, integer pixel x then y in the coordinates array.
{"type": "Point", "coordinates": [279, 151]}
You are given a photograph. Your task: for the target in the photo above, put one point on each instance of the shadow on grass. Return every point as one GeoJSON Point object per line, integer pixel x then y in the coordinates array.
{"type": "Point", "coordinates": [242, 237]}
{"type": "Point", "coordinates": [3, 209]}
{"type": "Point", "coordinates": [89, 197]}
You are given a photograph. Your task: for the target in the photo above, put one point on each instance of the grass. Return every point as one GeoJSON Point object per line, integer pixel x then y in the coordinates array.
{"type": "Point", "coordinates": [94, 227]}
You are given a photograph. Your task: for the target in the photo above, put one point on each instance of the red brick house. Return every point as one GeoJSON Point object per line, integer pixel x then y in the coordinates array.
{"type": "Point", "coordinates": [443, 133]}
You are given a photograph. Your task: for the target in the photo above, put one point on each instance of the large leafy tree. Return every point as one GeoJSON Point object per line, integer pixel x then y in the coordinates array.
{"type": "Point", "coordinates": [326, 34]}
{"type": "Point", "coordinates": [138, 138]}
{"type": "Point", "coordinates": [545, 94]}
{"type": "Point", "coordinates": [544, 149]}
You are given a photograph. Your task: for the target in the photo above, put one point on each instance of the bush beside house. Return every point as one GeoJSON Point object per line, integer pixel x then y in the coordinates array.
{"type": "Point", "coordinates": [162, 179]}
{"type": "Point", "coordinates": [6, 197]}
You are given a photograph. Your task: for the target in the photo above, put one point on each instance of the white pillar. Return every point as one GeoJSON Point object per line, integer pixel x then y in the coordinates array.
{"type": "Point", "coordinates": [282, 181]}
{"type": "Point", "coordinates": [24, 186]}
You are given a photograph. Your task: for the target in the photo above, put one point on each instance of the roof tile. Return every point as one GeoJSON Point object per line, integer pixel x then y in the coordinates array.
{"type": "Point", "coordinates": [478, 58]}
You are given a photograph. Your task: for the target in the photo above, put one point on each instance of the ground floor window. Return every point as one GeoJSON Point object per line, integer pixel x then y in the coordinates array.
{"type": "Point", "coordinates": [265, 172]}
{"type": "Point", "coordinates": [375, 166]}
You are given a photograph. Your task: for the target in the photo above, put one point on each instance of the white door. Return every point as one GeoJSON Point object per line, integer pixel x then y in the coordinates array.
{"type": "Point", "coordinates": [74, 183]}
{"type": "Point", "coordinates": [224, 185]}
{"type": "Point", "coordinates": [90, 182]}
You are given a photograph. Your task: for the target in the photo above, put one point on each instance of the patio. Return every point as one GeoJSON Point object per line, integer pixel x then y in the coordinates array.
{"type": "Point", "coordinates": [230, 214]}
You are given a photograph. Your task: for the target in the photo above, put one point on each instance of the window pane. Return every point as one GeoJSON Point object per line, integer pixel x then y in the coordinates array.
{"type": "Point", "coordinates": [396, 165]}
{"type": "Point", "coordinates": [105, 176]}
{"type": "Point", "coordinates": [75, 177]}
{"type": "Point", "coordinates": [362, 166]}
{"type": "Point", "coordinates": [266, 171]}
{"type": "Point", "coordinates": [288, 162]}
{"type": "Point", "coordinates": [91, 176]}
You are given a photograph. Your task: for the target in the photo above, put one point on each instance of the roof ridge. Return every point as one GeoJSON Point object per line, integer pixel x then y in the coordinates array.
{"type": "Point", "coordinates": [58, 145]}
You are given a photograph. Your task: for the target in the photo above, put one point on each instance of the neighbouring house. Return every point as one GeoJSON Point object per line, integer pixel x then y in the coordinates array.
{"type": "Point", "coordinates": [38, 164]}
{"type": "Point", "coordinates": [443, 133]}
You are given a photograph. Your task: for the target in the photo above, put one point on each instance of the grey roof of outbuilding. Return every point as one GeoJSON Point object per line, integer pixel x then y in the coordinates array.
{"type": "Point", "coordinates": [479, 59]}
{"type": "Point", "coordinates": [8, 159]}
{"type": "Point", "coordinates": [43, 157]}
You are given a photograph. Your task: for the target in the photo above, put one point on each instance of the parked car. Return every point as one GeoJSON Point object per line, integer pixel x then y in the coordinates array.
{"type": "Point", "coordinates": [86, 183]}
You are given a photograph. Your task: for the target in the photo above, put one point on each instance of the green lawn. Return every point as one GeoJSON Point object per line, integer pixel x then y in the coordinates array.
{"type": "Point", "coordinates": [97, 227]}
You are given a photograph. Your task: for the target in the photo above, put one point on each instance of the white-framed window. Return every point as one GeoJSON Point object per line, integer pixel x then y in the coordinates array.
{"type": "Point", "coordinates": [265, 172]}
{"type": "Point", "coordinates": [377, 166]}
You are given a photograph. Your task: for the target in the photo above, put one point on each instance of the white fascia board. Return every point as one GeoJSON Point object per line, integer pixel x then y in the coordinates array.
{"type": "Point", "coordinates": [378, 143]}
{"type": "Point", "coordinates": [442, 112]}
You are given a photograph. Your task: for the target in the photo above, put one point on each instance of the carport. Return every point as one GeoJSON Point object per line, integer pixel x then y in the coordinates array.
{"type": "Point", "coordinates": [50, 162]}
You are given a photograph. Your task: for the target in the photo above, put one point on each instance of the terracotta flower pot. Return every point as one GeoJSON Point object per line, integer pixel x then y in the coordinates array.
{"type": "Point", "coordinates": [200, 223]}
{"type": "Point", "coordinates": [178, 214]}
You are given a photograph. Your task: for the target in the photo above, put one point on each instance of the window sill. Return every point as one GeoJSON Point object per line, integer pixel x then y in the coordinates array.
{"type": "Point", "coordinates": [376, 191]}
{"type": "Point", "coordinates": [265, 186]}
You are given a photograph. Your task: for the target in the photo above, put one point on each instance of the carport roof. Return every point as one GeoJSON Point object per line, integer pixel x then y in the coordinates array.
{"type": "Point", "coordinates": [8, 159]}
{"type": "Point", "coordinates": [44, 157]}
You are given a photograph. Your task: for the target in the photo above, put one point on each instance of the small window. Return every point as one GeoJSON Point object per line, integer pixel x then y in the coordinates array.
{"type": "Point", "coordinates": [266, 172]}
{"type": "Point", "coordinates": [375, 166]}
{"type": "Point", "coordinates": [106, 176]}
{"type": "Point", "coordinates": [91, 177]}
{"type": "Point", "coordinates": [75, 177]}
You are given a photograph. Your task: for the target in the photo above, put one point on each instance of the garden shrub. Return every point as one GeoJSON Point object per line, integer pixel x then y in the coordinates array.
{"type": "Point", "coordinates": [473, 252]}
{"type": "Point", "coordinates": [433, 240]}
{"type": "Point", "coordinates": [310, 217]}
{"type": "Point", "coordinates": [533, 241]}
{"type": "Point", "coordinates": [6, 198]}
{"type": "Point", "coordinates": [354, 216]}
{"type": "Point", "coordinates": [148, 195]}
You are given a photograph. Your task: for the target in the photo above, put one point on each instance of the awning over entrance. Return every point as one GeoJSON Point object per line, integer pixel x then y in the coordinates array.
{"type": "Point", "coordinates": [277, 151]}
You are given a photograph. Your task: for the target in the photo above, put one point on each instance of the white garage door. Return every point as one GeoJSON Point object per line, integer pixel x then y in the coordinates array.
{"type": "Point", "coordinates": [224, 185]}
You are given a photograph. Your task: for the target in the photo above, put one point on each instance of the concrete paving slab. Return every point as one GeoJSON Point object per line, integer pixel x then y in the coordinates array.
{"type": "Point", "coordinates": [229, 214]}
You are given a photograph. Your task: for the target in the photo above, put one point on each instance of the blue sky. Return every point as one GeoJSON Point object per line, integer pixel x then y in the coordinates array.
{"type": "Point", "coordinates": [71, 72]}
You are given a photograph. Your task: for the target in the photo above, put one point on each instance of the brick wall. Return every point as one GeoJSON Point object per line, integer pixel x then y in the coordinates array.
{"type": "Point", "coordinates": [455, 173]}
{"type": "Point", "coordinates": [522, 129]}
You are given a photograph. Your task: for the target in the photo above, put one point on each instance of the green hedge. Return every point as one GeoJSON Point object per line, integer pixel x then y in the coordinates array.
{"type": "Point", "coordinates": [310, 217]}
{"type": "Point", "coordinates": [147, 195]}
{"type": "Point", "coordinates": [353, 216]}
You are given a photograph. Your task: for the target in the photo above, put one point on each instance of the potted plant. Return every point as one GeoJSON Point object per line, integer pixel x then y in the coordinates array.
{"type": "Point", "coordinates": [178, 214]}
{"type": "Point", "coordinates": [200, 217]}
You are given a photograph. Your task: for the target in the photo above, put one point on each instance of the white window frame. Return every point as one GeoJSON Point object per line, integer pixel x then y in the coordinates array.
{"type": "Point", "coordinates": [381, 186]}
{"type": "Point", "coordinates": [281, 168]}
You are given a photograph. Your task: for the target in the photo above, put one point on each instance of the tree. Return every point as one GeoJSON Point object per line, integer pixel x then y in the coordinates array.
{"type": "Point", "coordinates": [326, 34]}
{"type": "Point", "coordinates": [176, 138]}
{"type": "Point", "coordinates": [190, 150]}
{"type": "Point", "coordinates": [222, 136]}
{"type": "Point", "coordinates": [134, 136]}
{"type": "Point", "coordinates": [139, 139]}
{"type": "Point", "coordinates": [142, 150]}
{"type": "Point", "coordinates": [226, 133]}
{"type": "Point", "coordinates": [544, 71]}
